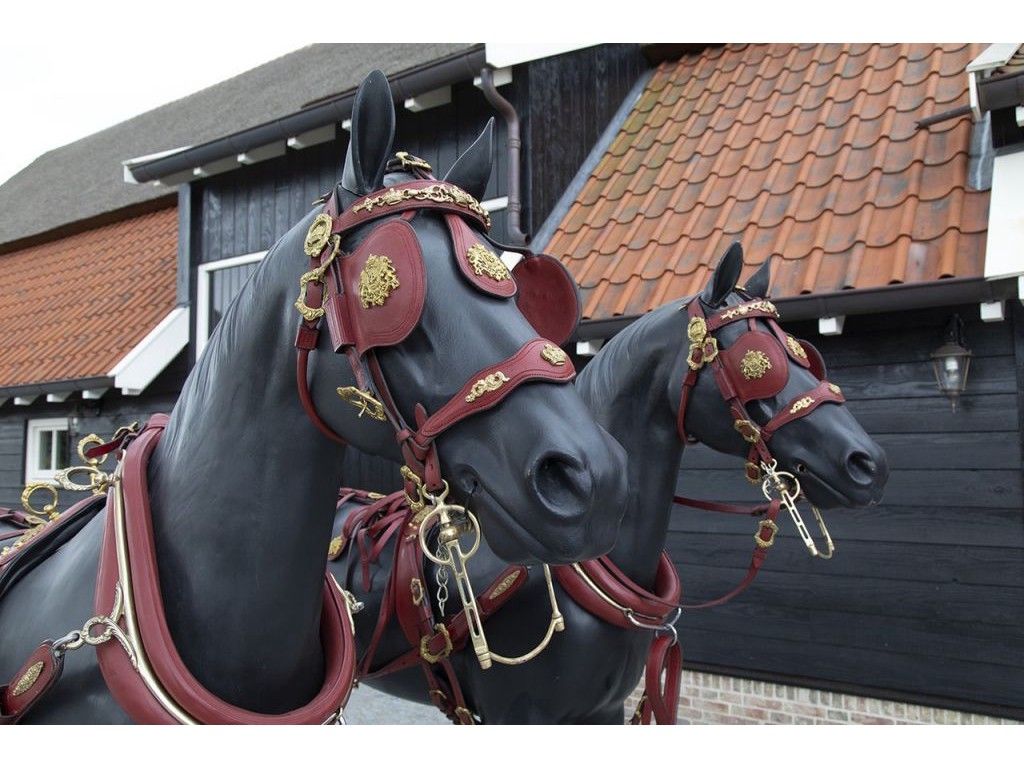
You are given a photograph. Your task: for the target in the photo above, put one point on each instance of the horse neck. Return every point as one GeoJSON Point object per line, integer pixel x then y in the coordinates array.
{"type": "Point", "coordinates": [243, 493]}
{"type": "Point", "coordinates": [626, 386]}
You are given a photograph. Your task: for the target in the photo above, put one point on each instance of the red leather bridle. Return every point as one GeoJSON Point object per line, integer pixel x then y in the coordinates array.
{"type": "Point", "coordinates": [326, 294]}
{"type": "Point", "coordinates": [737, 379]}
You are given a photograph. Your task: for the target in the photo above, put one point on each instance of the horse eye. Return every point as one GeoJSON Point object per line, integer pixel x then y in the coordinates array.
{"type": "Point", "coordinates": [801, 467]}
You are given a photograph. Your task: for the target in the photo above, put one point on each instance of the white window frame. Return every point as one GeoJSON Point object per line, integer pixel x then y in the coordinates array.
{"type": "Point", "coordinates": [35, 428]}
{"type": "Point", "coordinates": [203, 292]}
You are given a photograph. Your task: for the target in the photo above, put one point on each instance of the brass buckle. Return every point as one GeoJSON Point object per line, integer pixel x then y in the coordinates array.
{"type": "Point", "coordinates": [315, 276]}
{"type": "Point", "coordinates": [750, 431]}
{"type": "Point", "coordinates": [432, 658]}
{"type": "Point", "coordinates": [772, 528]}
{"type": "Point", "coordinates": [364, 401]}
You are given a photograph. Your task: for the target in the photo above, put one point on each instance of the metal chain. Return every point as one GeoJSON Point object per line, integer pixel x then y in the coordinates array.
{"type": "Point", "coordinates": [442, 580]}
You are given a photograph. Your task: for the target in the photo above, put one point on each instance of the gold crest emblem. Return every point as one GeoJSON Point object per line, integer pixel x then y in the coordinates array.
{"type": "Point", "coordinates": [803, 402]}
{"type": "Point", "coordinates": [318, 235]}
{"type": "Point", "coordinates": [754, 364]}
{"type": "Point", "coordinates": [553, 354]}
{"type": "Point", "coordinates": [377, 281]}
{"type": "Point", "coordinates": [485, 262]}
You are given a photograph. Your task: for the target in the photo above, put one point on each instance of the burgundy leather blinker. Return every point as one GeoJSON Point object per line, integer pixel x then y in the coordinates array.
{"type": "Point", "coordinates": [479, 264]}
{"type": "Point", "coordinates": [385, 283]}
{"type": "Point", "coordinates": [757, 366]}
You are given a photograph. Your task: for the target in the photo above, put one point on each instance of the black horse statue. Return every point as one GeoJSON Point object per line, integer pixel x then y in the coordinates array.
{"type": "Point", "coordinates": [242, 486]}
{"type": "Point", "coordinates": [633, 385]}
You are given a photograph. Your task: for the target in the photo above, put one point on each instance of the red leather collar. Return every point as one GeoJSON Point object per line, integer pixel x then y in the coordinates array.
{"type": "Point", "coordinates": [125, 683]}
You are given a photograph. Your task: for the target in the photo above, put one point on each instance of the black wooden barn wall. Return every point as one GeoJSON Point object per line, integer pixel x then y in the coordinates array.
{"type": "Point", "coordinates": [925, 594]}
{"type": "Point", "coordinates": [101, 417]}
{"type": "Point", "coordinates": [564, 104]}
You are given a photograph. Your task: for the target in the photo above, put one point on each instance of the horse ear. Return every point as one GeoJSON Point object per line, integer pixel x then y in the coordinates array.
{"type": "Point", "coordinates": [472, 170]}
{"type": "Point", "coordinates": [726, 274]}
{"type": "Point", "coordinates": [373, 130]}
{"type": "Point", "coordinates": [757, 285]}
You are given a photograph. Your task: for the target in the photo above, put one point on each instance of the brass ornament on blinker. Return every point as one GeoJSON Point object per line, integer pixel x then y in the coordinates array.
{"type": "Point", "coordinates": [487, 263]}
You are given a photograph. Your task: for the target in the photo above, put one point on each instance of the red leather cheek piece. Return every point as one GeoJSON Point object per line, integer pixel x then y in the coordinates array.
{"type": "Point", "coordinates": [389, 323]}
{"type": "Point", "coordinates": [765, 363]}
{"type": "Point", "coordinates": [463, 239]}
{"type": "Point", "coordinates": [548, 297]}
{"type": "Point", "coordinates": [815, 362]}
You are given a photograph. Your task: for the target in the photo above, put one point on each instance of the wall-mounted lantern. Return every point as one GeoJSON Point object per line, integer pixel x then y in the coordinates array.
{"type": "Point", "coordinates": [951, 362]}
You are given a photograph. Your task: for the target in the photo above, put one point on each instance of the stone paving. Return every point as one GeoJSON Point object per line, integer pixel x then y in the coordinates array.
{"type": "Point", "coordinates": [369, 707]}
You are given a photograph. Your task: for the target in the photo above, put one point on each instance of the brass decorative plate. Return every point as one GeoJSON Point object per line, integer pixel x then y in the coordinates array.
{"type": "Point", "coordinates": [486, 262]}
{"type": "Point", "coordinates": [377, 281]}
{"type": "Point", "coordinates": [755, 364]}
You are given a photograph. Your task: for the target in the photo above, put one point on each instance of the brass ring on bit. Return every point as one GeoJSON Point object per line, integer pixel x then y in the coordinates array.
{"type": "Point", "coordinates": [425, 524]}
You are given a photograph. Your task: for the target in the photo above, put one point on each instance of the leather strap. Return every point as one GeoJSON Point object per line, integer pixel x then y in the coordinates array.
{"type": "Point", "coordinates": [30, 683]}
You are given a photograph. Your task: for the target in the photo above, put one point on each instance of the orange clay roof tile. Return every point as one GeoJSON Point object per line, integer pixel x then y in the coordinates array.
{"type": "Point", "coordinates": [806, 152]}
{"type": "Point", "coordinates": [102, 291]}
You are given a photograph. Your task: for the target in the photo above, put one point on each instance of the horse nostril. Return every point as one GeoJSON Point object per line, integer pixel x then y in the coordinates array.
{"type": "Point", "coordinates": [562, 483]}
{"type": "Point", "coordinates": [861, 467]}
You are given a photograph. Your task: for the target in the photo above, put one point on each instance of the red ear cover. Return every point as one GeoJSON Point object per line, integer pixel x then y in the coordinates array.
{"type": "Point", "coordinates": [548, 296]}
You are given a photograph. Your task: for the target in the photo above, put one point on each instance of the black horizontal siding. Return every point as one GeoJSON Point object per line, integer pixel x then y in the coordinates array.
{"type": "Point", "coordinates": [925, 594]}
{"type": "Point", "coordinates": [101, 417]}
{"type": "Point", "coordinates": [249, 209]}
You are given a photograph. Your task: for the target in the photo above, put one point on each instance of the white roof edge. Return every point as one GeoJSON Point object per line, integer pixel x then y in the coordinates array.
{"type": "Point", "coordinates": [144, 362]}
{"type": "Point", "coordinates": [127, 165]}
{"type": "Point", "coordinates": [996, 55]}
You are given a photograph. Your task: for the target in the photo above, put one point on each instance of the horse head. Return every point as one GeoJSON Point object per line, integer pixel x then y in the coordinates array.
{"type": "Point", "coordinates": [436, 341]}
{"type": "Point", "coordinates": [769, 397]}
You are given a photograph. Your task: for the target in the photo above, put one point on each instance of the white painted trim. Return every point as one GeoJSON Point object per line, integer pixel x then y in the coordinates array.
{"type": "Point", "coordinates": [36, 426]}
{"type": "Point", "coordinates": [996, 55]}
{"type": "Point", "coordinates": [1004, 246]}
{"type": "Point", "coordinates": [495, 204]}
{"type": "Point", "coordinates": [25, 399]}
{"type": "Point", "coordinates": [215, 166]}
{"type": "Point", "coordinates": [259, 154]}
{"type": "Point", "coordinates": [590, 347]}
{"type": "Point", "coordinates": [992, 311]}
{"type": "Point", "coordinates": [435, 98]}
{"type": "Point", "coordinates": [203, 292]}
{"type": "Point", "coordinates": [500, 55]}
{"type": "Point", "coordinates": [500, 77]}
{"type": "Point", "coordinates": [346, 124]}
{"type": "Point", "coordinates": [313, 137]}
{"type": "Point", "coordinates": [94, 394]}
{"type": "Point", "coordinates": [127, 165]}
{"type": "Point", "coordinates": [831, 326]}
{"type": "Point", "coordinates": [57, 397]}
{"type": "Point", "coordinates": [144, 362]}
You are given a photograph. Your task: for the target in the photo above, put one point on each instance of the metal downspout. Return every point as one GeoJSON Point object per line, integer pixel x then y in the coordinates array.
{"type": "Point", "coordinates": [504, 108]}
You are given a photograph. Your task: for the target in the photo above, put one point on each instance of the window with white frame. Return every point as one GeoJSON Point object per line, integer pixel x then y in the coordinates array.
{"type": "Point", "coordinates": [47, 448]}
{"type": "Point", "coordinates": [217, 284]}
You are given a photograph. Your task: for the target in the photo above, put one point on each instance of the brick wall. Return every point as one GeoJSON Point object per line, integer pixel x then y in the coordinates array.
{"type": "Point", "coordinates": [707, 699]}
